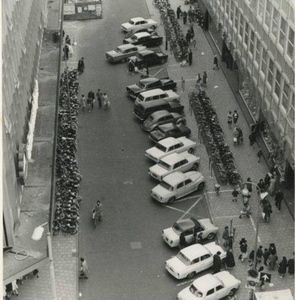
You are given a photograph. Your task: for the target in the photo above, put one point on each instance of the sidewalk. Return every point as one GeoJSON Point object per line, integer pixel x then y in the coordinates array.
{"type": "Point", "coordinates": [280, 230]}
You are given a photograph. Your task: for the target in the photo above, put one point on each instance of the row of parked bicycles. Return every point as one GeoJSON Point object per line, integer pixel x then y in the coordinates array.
{"type": "Point", "coordinates": [220, 155]}
{"type": "Point", "coordinates": [68, 177]}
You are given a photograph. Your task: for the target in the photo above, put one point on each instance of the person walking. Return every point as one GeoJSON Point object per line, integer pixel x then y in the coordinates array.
{"type": "Point", "coordinates": [259, 254]}
{"type": "Point", "coordinates": [90, 100]}
{"type": "Point", "coordinates": [266, 210]}
{"type": "Point", "coordinates": [84, 271]}
{"type": "Point", "coordinates": [267, 180]}
{"type": "Point", "coordinates": [246, 210]}
{"type": "Point", "coordinates": [229, 260]}
{"type": "Point", "coordinates": [251, 258]}
{"type": "Point", "coordinates": [99, 98]}
{"type": "Point", "coordinates": [230, 119]}
{"type": "Point", "coordinates": [261, 186]}
{"type": "Point", "coordinates": [225, 236]}
{"type": "Point", "coordinates": [271, 262]}
{"type": "Point", "coordinates": [106, 101]}
{"type": "Point", "coordinates": [184, 17]}
{"type": "Point", "coordinates": [178, 11]}
{"type": "Point", "coordinates": [279, 197]}
{"type": "Point", "coordinates": [235, 116]}
{"type": "Point", "coordinates": [198, 81]}
{"type": "Point", "coordinates": [272, 185]}
{"type": "Point", "coordinates": [272, 249]}
{"type": "Point", "coordinates": [291, 266]}
{"type": "Point", "coordinates": [249, 185]}
{"type": "Point", "coordinates": [243, 249]}
{"type": "Point", "coordinates": [236, 134]}
{"type": "Point", "coordinates": [215, 63]}
{"type": "Point", "coordinates": [190, 57]}
{"type": "Point", "coordinates": [216, 262]}
{"type": "Point", "coordinates": [240, 136]}
{"type": "Point", "coordinates": [130, 67]}
{"type": "Point", "coordinates": [205, 79]}
{"type": "Point", "coordinates": [83, 102]}
{"type": "Point", "coordinates": [259, 154]}
{"type": "Point", "coordinates": [81, 65]}
{"type": "Point", "coordinates": [97, 211]}
{"type": "Point", "coordinates": [68, 40]}
{"type": "Point", "coordinates": [66, 52]}
{"type": "Point", "coordinates": [235, 194]}
{"type": "Point", "coordinates": [252, 139]}
{"type": "Point", "coordinates": [282, 269]}
{"type": "Point", "coordinates": [182, 84]}
{"type": "Point", "coordinates": [188, 37]}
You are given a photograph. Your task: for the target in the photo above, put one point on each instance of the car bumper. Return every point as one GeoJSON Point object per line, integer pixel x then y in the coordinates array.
{"type": "Point", "coordinates": [169, 242]}
{"type": "Point", "coordinates": [124, 29]}
{"type": "Point", "coordinates": [110, 59]}
{"type": "Point", "coordinates": [159, 178]}
{"type": "Point", "coordinates": [138, 117]}
{"type": "Point", "coordinates": [157, 198]}
{"type": "Point", "coordinates": [171, 271]}
{"type": "Point", "coordinates": [151, 157]}
{"type": "Point", "coordinates": [131, 95]}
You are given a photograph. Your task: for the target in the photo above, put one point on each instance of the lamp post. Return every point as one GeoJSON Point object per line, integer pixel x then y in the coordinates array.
{"type": "Point", "coordinates": [36, 236]}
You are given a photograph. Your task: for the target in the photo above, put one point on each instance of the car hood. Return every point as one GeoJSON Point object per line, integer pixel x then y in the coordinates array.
{"type": "Point", "coordinates": [158, 170]}
{"type": "Point", "coordinates": [160, 191]}
{"type": "Point", "coordinates": [177, 265]}
{"type": "Point", "coordinates": [126, 25]}
{"type": "Point", "coordinates": [128, 40]}
{"type": "Point", "coordinates": [134, 88]}
{"type": "Point", "coordinates": [207, 224]}
{"type": "Point", "coordinates": [171, 234]}
{"type": "Point", "coordinates": [214, 248]}
{"type": "Point", "coordinates": [112, 53]}
{"type": "Point", "coordinates": [227, 279]}
{"type": "Point", "coordinates": [186, 294]}
{"type": "Point", "coordinates": [155, 152]}
{"type": "Point", "coordinates": [147, 123]}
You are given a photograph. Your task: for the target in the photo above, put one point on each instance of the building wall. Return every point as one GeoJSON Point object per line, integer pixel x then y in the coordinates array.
{"type": "Point", "coordinates": [260, 37]}
{"type": "Point", "coordinates": [22, 30]}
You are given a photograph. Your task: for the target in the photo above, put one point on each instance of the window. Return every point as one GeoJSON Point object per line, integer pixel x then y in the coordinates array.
{"type": "Point", "coordinates": [270, 72]}
{"type": "Point", "coordinates": [219, 287]}
{"type": "Point", "coordinates": [180, 185]}
{"type": "Point", "coordinates": [291, 112]}
{"type": "Point", "coordinates": [264, 61]}
{"type": "Point", "coordinates": [275, 22]}
{"type": "Point", "coordinates": [241, 27]}
{"type": "Point", "coordinates": [246, 38]}
{"type": "Point", "coordinates": [267, 13]}
{"type": "Point", "coordinates": [227, 7]}
{"type": "Point", "coordinates": [278, 83]}
{"type": "Point", "coordinates": [283, 28]}
{"type": "Point", "coordinates": [236, 18]}
{"type": "Point", "coordinates": [285, 98]}
{"type": "Point", "coordinates": [252, 37]}
{"type": "Point", "coordinates": [231, 15]}
{"type": "Point", "coordinates": [210, 292]}
{"type": "Point", "coordinates": [206, 256]}
{"type": "Point", "coordinates": [290, 45]}
{"type": "Point", "coordinates": [188, 181]}
{"type": "Point", "coordinates": [257, 51]}
{"type": "Point", "coordinates": [261, 4]}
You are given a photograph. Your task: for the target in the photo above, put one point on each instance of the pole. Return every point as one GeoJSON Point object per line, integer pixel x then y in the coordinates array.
{"type": "Point", "coordinates": [52, 275]}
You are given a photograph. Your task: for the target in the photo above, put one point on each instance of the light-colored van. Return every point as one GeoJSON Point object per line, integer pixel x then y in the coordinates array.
{"type": "Point", "coordinates": [157, 94]}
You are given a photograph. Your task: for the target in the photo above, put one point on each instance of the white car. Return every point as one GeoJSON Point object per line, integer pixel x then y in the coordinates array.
{"type": "Point", "coordinates": [138, 23]}
{"type": "Point", "coordinates": [177, 185]}
{"type": "Point", "coordinates": [123, 52]}
{"type": "Point", "coordinates": [211, 287]}
{"type": "Point", "coordinates": [170, 145]}
{"type": "Point", "coordinates": [181, 162]}
{"type": "Point", "coordinates": [193, 259]}
{"type": "Point", "coordinates": [156, 94]}
{"type": "Point", "coordinates": [203, 228]}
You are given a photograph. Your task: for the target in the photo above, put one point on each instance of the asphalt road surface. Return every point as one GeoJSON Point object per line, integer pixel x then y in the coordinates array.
{"type": "Point", "coordinates": [125, 253]}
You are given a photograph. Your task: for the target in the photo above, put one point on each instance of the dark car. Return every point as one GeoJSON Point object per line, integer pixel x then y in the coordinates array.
{"type": "Point", "coordinates": [144, 39]}
{"type": "Point", "coordinates": [138, 30]}
{"type": "Point", "coordinates": [150, 83]}
{"type": "Point", "coordinates": [149, 58]}
{"type": "Point", "coordinates": [169, 130]}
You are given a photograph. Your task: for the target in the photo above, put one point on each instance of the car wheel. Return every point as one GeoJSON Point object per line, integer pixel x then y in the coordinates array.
{"type": "Point", "coordinates": [153, 27]}
{"type": "Point", "coordinates": [211, 236]}
{"type": "Point", "coordinates": [171, 200]}
{"type": "Point", "coordinates": [190, 150]}
{"type": "Point", "coordinates": [191, 275]}
{"type": "Point", "coordinates": [195, 166]}
{"type": "Point", "coordinates": [123, 60]}
{"type": "Point", "coordinates": [201, 186]}
{"type": "Point", "coordinates": [232, 292]}
{"type": "Point", "coordinates": [162, 61]}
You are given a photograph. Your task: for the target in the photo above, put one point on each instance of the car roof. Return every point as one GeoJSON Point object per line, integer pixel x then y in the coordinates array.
{"type": "Point", "coordinates": [141, 34]}
{"type": "Point", "coordinates": [188, 223]}
{"type": "Point", "coordinates": [170, 141]}
{"type": "Point", "coordinates": [167, 126]}
{"type": "Point", "coordinates": [174, 178]}
{"type": "Point", "coordinates": [137, 19]}
{"type": "Point", "coordinates": [153, 103]}
{"type": "Point", "coordinates": [146, 52]}
{"type": "Point", "coordinates": [149, 79]}
{"type": "Point", "coordinates": [172, 158]}
{"type": "Point", "coordinates": [126, 46]}
{"type": "Point", "coordinates": [152, 92]}
{"type": "Point", "coordinates": [193, 251]}
{"type": "Point", "coordinates": [206, 283]}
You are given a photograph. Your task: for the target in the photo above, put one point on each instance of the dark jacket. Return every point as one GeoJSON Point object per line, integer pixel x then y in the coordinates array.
{"type": "Point", "coordinates": [229, 259]}
{"type": "Point", "coordinates": [283, 266]}
{"type": "Point", "coordinates": [291, 266]}
{"type": "Point", "coordinates": [216, 263]}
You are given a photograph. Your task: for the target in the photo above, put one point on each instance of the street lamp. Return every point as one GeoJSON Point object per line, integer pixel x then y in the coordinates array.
{"type": "Point", "coordinates": [36, 236]}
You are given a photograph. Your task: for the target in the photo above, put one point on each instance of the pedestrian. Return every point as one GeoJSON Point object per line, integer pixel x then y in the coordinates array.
{"type": "Point", "coordinates": [225, 236]}
{"type": "Point", "coordinates": [251, 258]}
{"type": "Point", "coordinates": [252, 139]}
{"type": "Point", "coordinates": [235, 194]}
{"type": "Point", "coordinates": [243, 249]}
{"type": "Point", "coordinates": [216, 262]}
{"type": "Point", "coordinates": [266, 254]}
{"type": "Point", "coordinates": [106, 101]}
{"type": "Point", "coordinates": [229, 119]}
{"type": "Point", "coordinates": [81, 65]}
{"type": "Point", "coordinates": [259, 154]}
{"type": "Point", "coordinates": [188, 37]}
{"type": "Point", "coordinates": [236, 134]}
{"type": "Point", "coordinates": [291, 266]}
{"type": "Point", "coordinates": [205, 79]}
{"type": "Point", "coordinates": [71, 50]}
{"type": "Point", "coordinates": [266, 210]}
{"type": "Point", "coordinates": [215, 63]}
{"type": "Point", "coordinates": [259, 254]}
{"type": "Point", "coordinates": [66, 52]}
{"type": "Point", "coordinates": [192, 30]}
{"type": "Point", "coordinates": [99, 98]}
{"type": "Point", "coordinates": [130, 67]}
{"type": "Point", "coordinates": [272, 249]}
{"type": "Point", "coordinates": [272, 185]}
{"type": "Point", "coordinates": [84, 271]}
{"type": "Point", "coordinates": [267, 180]}
{"type": "Point", "coordinates": [282, 269]}
{"type": "Point", "coordinates": [271, 262]}
{"type": "Point", "coordinates": [240, 136]}
{"type": "Point", "coordinates": [36, 273]}
{"type": "Point", "coordinates": [262, 282]}
{"type": "Point", "coordinates": [190, 57]}
{"type": "Point", "coordinates": [182, 241]}
{"type": "Point", "coordinates": [83, 102]}
{"type": "Point", "coordinates": [229, 260]}
{"type": "Point", "coordinates": [182, 84]}
{"type": "Point", "coordinates": [198, 81]}
{"type": "Point", "coordinates": [279, 198]}
{"type": "Point", "coordinates": [178, 11]}
{"type": "Point", "coordinates": [246, 211]}
{"type": "Point", "coordinates": [147, 72]}
{"type": "Point", "coordinates": [68, 40]}
{"type": "Point", "coordinates": [90, 100]}
{"type": "Point", "coordinates": [249, 185]}
{"type": "Point", "coordinates": [235, 116]}
{"type": "Point", "coordinates": [260, 186]}
{"type": "Point", "coordinates": [14, 288]}
{"type": "Point", "coordinates": [184, 17]}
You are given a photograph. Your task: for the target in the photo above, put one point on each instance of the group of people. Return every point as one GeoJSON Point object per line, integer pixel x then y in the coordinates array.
{"type": "Point", "coordinates": [201, 81]}
{"type": "Point", "coordinates": [102, 99]}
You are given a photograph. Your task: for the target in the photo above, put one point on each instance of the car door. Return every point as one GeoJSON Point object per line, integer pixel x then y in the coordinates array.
{"type": "Point", "coordinates": [220, 292]}
{"type": "Point", "coordinates": [180, 190]}
{"type": "Point", "coordinates": [188, 234]}
{"type": "Point", "coordinates": [206, 261]}
{"type": "Point", "coordinates": [188, 186]}
{"type": "Point", "coordinates": [184, 165]}
{"type": "Point", "coordinates": [179, 147]}
{"type": "Point", "coordinates": [211, 294]}
{"type": "Point", "coordinates": [195, 265]}
{"type": "Point", "coordinates": [149, 59]}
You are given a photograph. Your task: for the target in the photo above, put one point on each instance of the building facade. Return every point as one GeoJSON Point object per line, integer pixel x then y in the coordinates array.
{"type": "Point", "coordinates": [257, 40]}
{"type": "Point", "coordinates": [22, 30]}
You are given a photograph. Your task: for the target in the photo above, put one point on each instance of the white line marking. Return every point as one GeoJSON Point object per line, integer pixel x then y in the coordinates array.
{"type": "Point", "coordinates": [200, 198]}
{"type": "Point", "coordinates": [254, 226]}
{"type": "Point", "coordinates": [221, 191]}
{"type": "Point", "coordinates": [171, 207]}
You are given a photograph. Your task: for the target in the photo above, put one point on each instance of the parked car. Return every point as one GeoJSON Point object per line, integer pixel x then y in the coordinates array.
{"type": "Point", "coordinates": [150, 83]}
{"type": "Point", "coordinates": [144, 39]}
{"type": "Point", "coordinates": [193, 259]}
{"type": "Point", "coordinates": [156, 94]}
{"type": "Point", "coordinates": [177, 185]}
{"type": "Point", "coordinates": [168, 146]}
{"type": "Point", "coordinates": [168, 130]}
{"type": "Point", "coordinates": [173, 162]}
{"type": "Point", "coordinates": [203, 228]}
{"type": "Point", "coordinates": [123, 52]}
{"type": "Point", "coordinates": [149, 58]}
{"type": "Point", "coordinates": [138, 30]}
{"type": "Point", "coordinates": [143, 110]}
{"type": "Point", "coordinates": [161, 117]}
{"type": "Point", "coordinates": [138, 23]}
{"type": "Point", "coordinates": [211, 287]}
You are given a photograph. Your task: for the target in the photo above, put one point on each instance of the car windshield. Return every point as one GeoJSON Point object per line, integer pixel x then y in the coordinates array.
{"type": "Point", "coordinates": [141, 85]}
{"type": "Point", "coordinates": [118, 50]}
{"type": "Point", "coordinates": [131, 22]}
{"type": "Point", "coordinates": [141, 98]}
{"type": "Point", "coordinates": [166, 186]}
{"type": "Point", "coordinates": [134, 38]}
{"type": "Point", "coordinates": [195, 291]}
{"type": "Point", "coordinates": [177, 228]}
{"type": "Point", "coordinates": [183, 258]}
{"type": "Point", "coordinates": [164, 165]}
{"type": "Point", "coordinates": [160, 147]}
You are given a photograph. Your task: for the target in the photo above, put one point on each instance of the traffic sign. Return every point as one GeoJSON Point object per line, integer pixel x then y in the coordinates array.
{"type": "Point", "coordinates": [266, 277]}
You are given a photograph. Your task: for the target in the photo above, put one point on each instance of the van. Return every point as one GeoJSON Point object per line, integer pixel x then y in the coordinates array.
{"type": "Point", "coordinates": [144, 109]}
{"type": "Point", "coordinates": [156, 94]}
